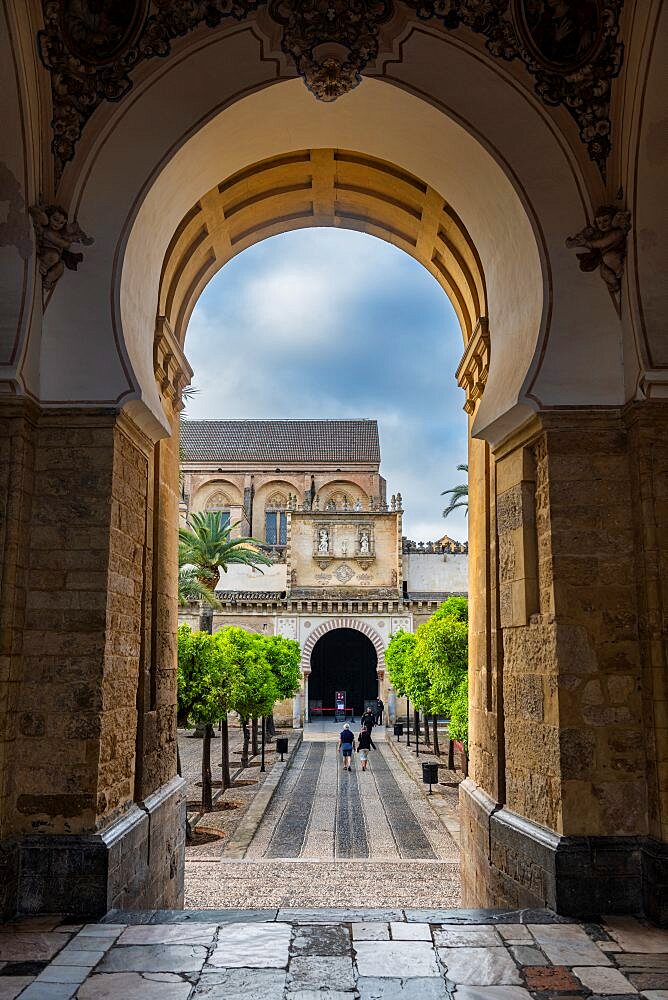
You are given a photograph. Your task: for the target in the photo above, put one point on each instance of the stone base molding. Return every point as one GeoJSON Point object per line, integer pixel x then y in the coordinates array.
{"type": "Point", "coordinates": [526, 865]}
{"type": "Point", "coordinates": [135, 863]}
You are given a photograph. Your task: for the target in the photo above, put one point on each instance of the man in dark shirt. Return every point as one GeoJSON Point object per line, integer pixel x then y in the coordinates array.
{"type": "Point", "coordinates": [380, 708]}
{"type": "Point", "coordinates": [368, 720]}
{"type": "Point", "coordinates": [346, 744]}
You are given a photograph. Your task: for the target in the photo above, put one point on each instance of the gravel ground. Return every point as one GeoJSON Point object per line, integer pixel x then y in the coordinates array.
{"type": "Point", "coordinates": [336, 883]}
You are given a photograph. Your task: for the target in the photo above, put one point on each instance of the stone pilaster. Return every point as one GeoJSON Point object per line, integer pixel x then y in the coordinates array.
{"type": "Point", "coordinates": [79, 621]}
{"type": "Point", "coordinates": [574, 826]}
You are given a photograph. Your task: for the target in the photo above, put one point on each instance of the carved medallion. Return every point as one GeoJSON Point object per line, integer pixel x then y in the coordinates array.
{"type": "Point", "coordinates": [97, 32]}
{"type": "Point", "coordinates": [344, 574]}
{"type": "Point", "coordinates": [561, 34]}
{"type": "Point", "coordinates": [568, 70]}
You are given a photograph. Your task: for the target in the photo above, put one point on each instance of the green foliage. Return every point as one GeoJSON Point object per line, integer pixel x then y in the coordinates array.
{"type": "Point", "coordinates": [459, 714]}
{"type": "Point", "coordinates": [459, 495]}
{"type": "Point", "coordinates": [207, 543]}
{"type": "Point", "coordinates": [205, 679]}
{"type": "Point", "coordinates": [454, 607]}
{"type": "Point", "coordinates": [430, 667]}
{"type": "Point", "coordinates": [284, 657]}
{"type": "Point", "coordinates": [441, 646]}
{"type": "Point", "coordinates": [191, 589]}
{"type": "Point", "coordinates": [398, 657]}
{"type": "Point", "coordinates": [255, 689]}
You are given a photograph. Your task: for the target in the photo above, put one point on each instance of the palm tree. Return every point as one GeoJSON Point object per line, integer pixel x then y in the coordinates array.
{"type": "Point", "coordinates": [206, 544]}
{"type": "Point", "coordinates": [459, 495]}
{"type": "Point", "coordinates": [191, 590]}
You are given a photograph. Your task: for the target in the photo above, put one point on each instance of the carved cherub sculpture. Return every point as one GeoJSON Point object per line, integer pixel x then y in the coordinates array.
{"type": "Point", "coordinates": [323, 541]}
{"type": "Point", "coordinates": [605, 242]}
{"type": "Point", "coordinates": [364, 543]}
{"type": "Point", "coordinates": [55, 236]}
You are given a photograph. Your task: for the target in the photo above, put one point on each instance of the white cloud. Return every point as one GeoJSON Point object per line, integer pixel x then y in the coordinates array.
{"type": "Point", "coordinates": [325, 323]}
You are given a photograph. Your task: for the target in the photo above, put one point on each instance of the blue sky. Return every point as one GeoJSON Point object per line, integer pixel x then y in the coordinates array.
{"type": "Point", "coordinates": [329, 323]}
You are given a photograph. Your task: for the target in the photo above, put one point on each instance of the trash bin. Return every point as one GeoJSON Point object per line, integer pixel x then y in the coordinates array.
{"type": "Point", "coordinates": [281, 745]}
{"type": "Point", "coordinates": [398, 729]}
{"type": "Point", "coordinates": [430, 774]}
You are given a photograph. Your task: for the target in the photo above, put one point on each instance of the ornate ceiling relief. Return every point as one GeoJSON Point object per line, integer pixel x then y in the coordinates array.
{"type": "Point", "coordinates": [570, 47]}
{"type": "Point", "coordinates": [331, 41]}
{"type": "Point", "coordinates": [91, 48]}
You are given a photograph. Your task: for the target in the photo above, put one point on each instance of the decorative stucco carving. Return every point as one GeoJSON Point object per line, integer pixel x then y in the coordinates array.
{"type": "Point", "coordinates": [570, 47]}
{"type": "Point", "coordinates": [91, 48]}
{"type": "Point", "coordinates": [331, 41]}
{"type": "Point", "coordinates": [605, 246]}
{"type": "Point", "coordinates": [572, 53]}
{"type": "Point", "coordinates": [55, 236]}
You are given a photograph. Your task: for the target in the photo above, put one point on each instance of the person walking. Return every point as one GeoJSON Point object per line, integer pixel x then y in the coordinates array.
{"type": "Point", "coordinates": [368, 720]}
{"type": "Point", "coordinates": [380, 708]}
{"type": "Point", "coordinates": [364, 744]}
{"type": "Point", "coordinates": [345, 747]}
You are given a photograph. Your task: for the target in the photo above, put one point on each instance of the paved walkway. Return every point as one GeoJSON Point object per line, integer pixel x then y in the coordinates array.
{"type": "Point", "coordinates": [359, 954]}
{"type": "Point", "coordinates": [392, 846]}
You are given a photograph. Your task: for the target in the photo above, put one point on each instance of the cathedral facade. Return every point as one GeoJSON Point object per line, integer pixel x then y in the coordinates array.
{"type": "Point", "coordinates": [343, 577]}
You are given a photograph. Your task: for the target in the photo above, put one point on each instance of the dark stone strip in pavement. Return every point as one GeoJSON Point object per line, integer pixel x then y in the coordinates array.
{"type": "Point", "coordinates": [288, 837]}
{"type": "Point", "coordinates": [351, 840]}
{"type": "Point", "coordinates": [410, 838]}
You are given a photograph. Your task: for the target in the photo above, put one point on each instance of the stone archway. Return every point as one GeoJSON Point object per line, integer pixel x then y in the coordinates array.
{"type": "Point", "coordinates": [353, 623]}
{"type": "Point", "coordinates": [565, 439]}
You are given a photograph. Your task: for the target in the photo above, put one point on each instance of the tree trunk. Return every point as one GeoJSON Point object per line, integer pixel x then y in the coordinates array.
{"type": "Point", "coordinates": [225, 754]}
{"type": "Point", "coordinates": [254, 737]}
{"type": "Point", "coordinates": [207, 800]}
{"type": "Point", "coordinates": [271, 727]}
{"type": "Point", "coordinates": [416, 724]}
{"type": "Point", "coordinates": [451, 754]}
{"type": "Point", "coordinates": [244, 747]}
{"type": "Point", "coordinates": [426, 729]}
{"type": "Point", "coordinates": [205, 618]}
{"type": "Point", "coordinates": [434, 724]}
{"type": "Point", "coordinates": [408, 723]}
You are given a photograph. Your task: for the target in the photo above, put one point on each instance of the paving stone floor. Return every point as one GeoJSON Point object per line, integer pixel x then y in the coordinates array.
{"type": "Point", "coordinates": [334, 954]}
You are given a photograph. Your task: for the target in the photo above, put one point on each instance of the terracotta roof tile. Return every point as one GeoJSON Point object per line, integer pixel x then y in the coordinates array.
{"type": "Point", "coordinates": [280, 441]}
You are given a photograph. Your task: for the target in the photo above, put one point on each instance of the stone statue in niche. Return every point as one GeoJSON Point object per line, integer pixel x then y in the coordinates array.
{"type": "Point", "coordinates": [364, 543]}
{"type": "Point", "coordinates": [323, 541]}
{"type": "Point", "coordinates": [358, 505]}
{"type": "Point", "coordinates": [605, 243]}
{"type": "Point", "coordinates": [344, 548]}
{"type": "Point", "coordinates": [55, 236]}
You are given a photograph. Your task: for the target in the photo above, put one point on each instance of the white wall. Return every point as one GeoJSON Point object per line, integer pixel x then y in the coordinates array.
{"type": "Point", "coordinates": [247, 578]}
{"type": "Point", "coordinates": [428, 572]}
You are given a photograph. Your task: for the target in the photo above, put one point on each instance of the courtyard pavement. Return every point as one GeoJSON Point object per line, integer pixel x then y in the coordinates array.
{"type": "Point", "coordinates": [358, 954]}
{"type": "Point", "coordinates": [330, 834]}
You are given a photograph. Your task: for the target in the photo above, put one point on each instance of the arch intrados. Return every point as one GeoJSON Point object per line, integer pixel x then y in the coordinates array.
{"type": "Point", "coordinates": [335, 623]}
{"type": "Point", "coordinates": [321, 188]}
{"type": "Point", "coordinates": [435, 144]}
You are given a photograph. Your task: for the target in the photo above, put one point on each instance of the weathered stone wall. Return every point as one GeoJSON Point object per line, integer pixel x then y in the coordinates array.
{"type": "Point", "coordinates": [85, 616]}
{"type": "Point", "coordinates": [381, 572]}
{"type": "Point", "coordinates": [574, 507]}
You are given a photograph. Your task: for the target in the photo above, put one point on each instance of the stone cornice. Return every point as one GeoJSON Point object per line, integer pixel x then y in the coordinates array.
{"type": "Point", "coordinates": [172, 371]}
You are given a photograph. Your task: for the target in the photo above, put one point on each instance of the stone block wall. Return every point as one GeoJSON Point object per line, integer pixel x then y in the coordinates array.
{"type": "Point", "coordinates": [81, 615]}
{"type": "Point", "coordinates": [567, 667]}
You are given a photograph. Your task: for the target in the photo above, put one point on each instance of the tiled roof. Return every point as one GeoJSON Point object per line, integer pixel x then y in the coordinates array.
{"type": "Point", "coordinates": [280, 441]}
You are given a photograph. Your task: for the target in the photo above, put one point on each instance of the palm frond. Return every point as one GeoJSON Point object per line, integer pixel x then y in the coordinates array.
{"type": "Point", "coordinates": [191, 589]}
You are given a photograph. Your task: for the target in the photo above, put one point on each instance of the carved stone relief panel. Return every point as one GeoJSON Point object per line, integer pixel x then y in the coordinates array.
{"type": "Point", "coordinates": [287, 627]}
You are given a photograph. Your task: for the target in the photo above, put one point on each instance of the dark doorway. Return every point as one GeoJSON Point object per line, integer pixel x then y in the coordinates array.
{"type": "Point", "coordinates": [343, 660]}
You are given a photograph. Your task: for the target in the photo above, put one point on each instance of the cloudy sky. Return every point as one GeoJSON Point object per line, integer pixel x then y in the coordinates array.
{"type": "Point", "coordinates": [328, 323]}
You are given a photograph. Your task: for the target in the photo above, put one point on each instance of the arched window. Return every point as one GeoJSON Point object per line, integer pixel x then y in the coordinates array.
{"type": "Point", "coordinates": [276, 519]}
{"type": "Point", "coordinates": [220, 501]}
